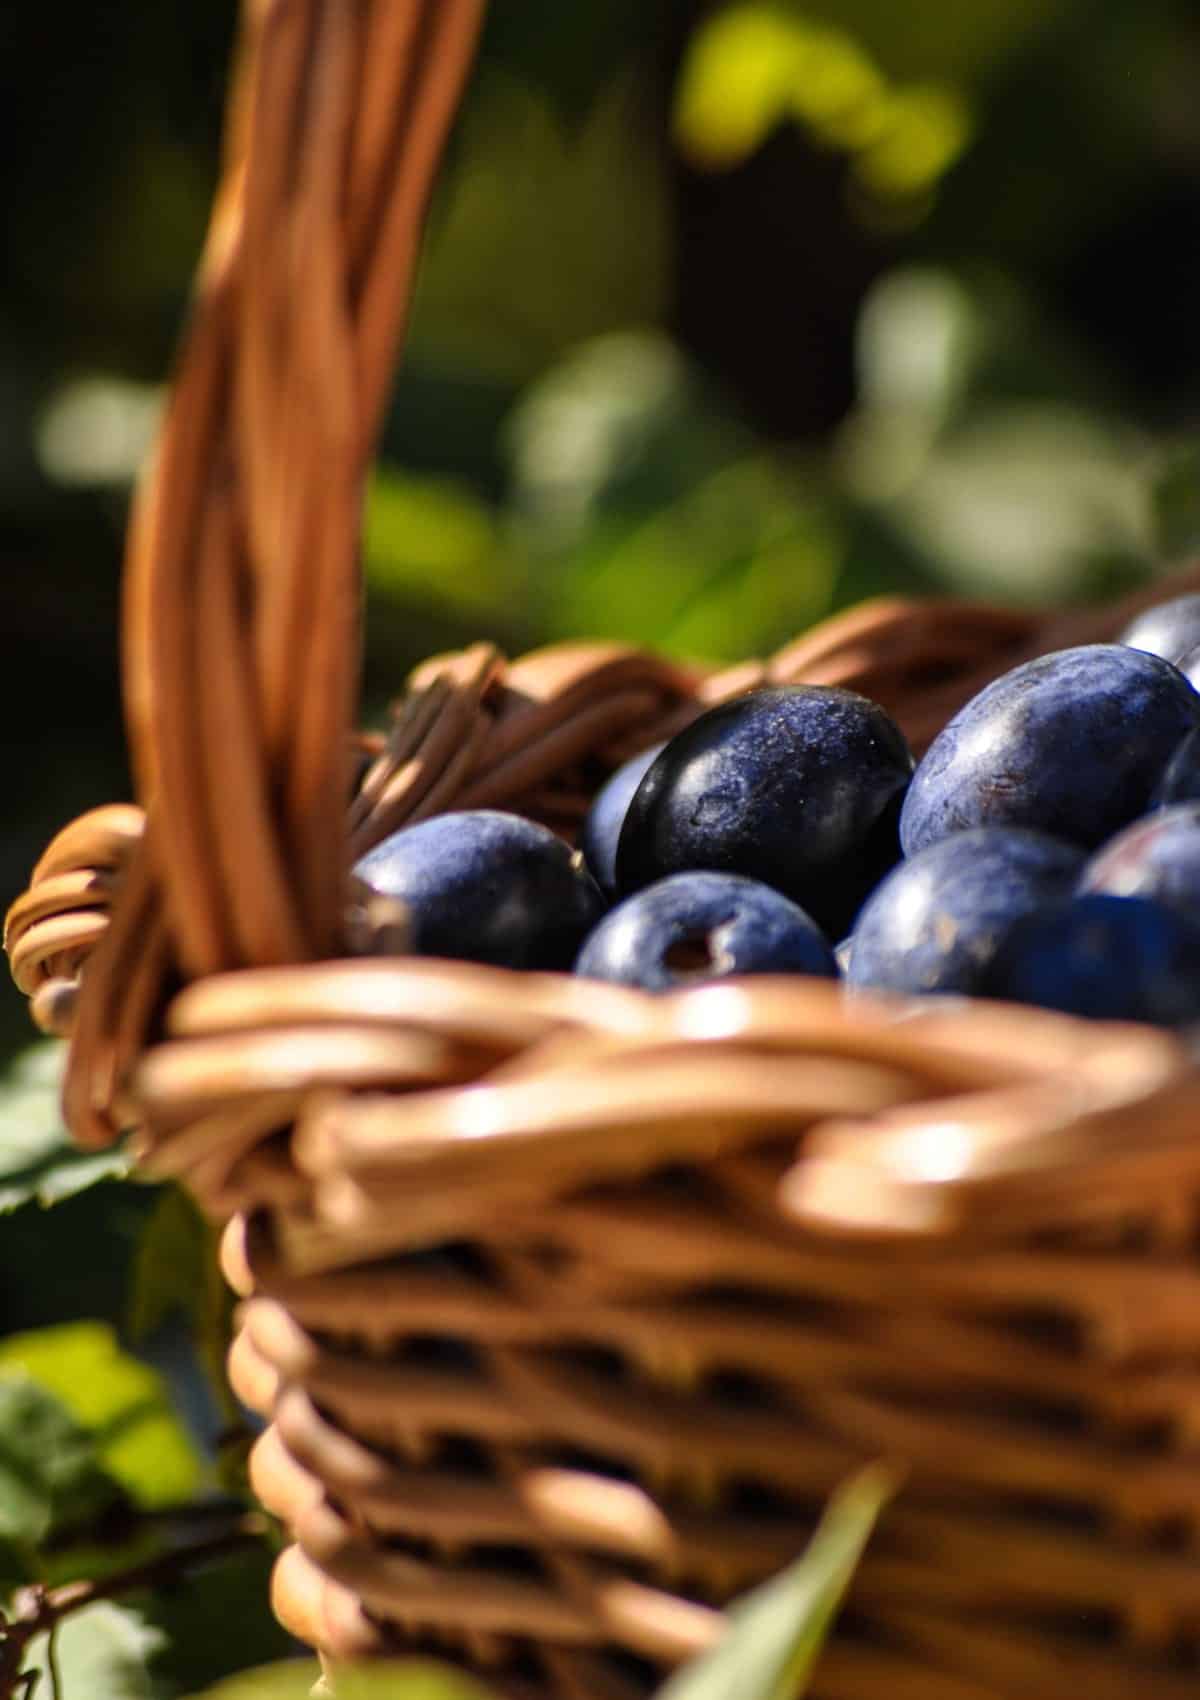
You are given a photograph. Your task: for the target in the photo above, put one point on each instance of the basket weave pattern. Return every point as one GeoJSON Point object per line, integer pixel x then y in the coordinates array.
{"type": "Point", "coordinates": [549, 1294]}
{"type": "Point", "coordinates": [544, 1398]}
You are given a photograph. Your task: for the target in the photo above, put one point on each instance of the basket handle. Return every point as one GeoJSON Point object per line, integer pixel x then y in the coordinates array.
{"type": "Point", "coordinates": [242, 574]}
{"type": "Point", "coordinates": [241, 609]}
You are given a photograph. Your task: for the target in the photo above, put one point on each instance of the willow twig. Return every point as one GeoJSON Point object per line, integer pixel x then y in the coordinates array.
{"type": "Point", "coordinates": [38, 1610]}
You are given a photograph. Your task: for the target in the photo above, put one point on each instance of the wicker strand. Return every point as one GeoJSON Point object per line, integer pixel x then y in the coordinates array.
{"type": "Point", "coordinates": [241, 602]}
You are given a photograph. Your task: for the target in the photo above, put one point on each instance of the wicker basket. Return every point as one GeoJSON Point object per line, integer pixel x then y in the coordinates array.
{"type": "Point", "coordinates": [569, 1306]}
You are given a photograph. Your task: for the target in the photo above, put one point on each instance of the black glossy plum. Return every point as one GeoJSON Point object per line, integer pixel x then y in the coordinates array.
{"type": "Point", "coordinates": [1180, 782]}
{"type": "Point", "coordinates": [484, 886]}
{"type": "Point", "coordinates": [1169, 630]}
{"type": "Point", "coordinates": [1156, 857]}
{"type": "Point", "coordinates": [798, 786]}
{"type": "Point", "coordinates": [1112, 958]}
{"type": "Point", "coordinates": [936, 921]}
{"type": "Point", "coordinates": [605, 818]}
{"type": "Point", "coordinates": [703, 926]}
{"type": "Point", "coordinates": [1071, 744]}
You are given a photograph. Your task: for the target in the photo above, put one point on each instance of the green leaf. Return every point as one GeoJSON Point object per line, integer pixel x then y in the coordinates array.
{"type": "Point", "coordinates": [219, 1622]}
{"type": "Point", "coordinates": [17, 1565]}
{"type": "Point", "coordinates": [176, 1270]}
{"type": "Point", "coordinates": [737, 81]}
{"type": "Point", "coordinates": [37, 1160]}
{"type": "Point", "coordinates": [1020, 500]}
{"type": "Point", "coordinates": [122, 1404]}
{"type": "Point", "coordinates": [649, 515]}
{"type": "Point", "coordinates": [756, 64]}
{"type": "Point", "coordinates": [292, 1680]}
{"type": "Point", "coordinates": [1175, 500]}
{"type": "Point", "coordinates": [433, 541]}
{"type": "Point", "coordinates": [964, 43]}
{"type": "Point", "coordinates": [170, 1264]}
{"type": "Point", "coordinates": [103, 1653]}
{"type": "Point", "coordinates": [623, 425]}
{"type": "Point", "coordinates": [776, 1633]}
{"type": "Point", "coordinates": [50, 1471]}
{"type": "Point", "coordinates": [404, 1679]}
{"type": "Point", "coordinates": [570, 53]}
{"type": "Point", "coordinates": [408, 1679]}
{"type": "Point", "coordinates": [573, 218]}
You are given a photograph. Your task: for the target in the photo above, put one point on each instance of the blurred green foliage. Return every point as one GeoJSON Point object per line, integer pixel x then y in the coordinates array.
{"type": "Point", "coordinates": [732, 312]}
{"type": "Point", "coordinates": [38, 1163]}
{"type": "Point", "coordinates": [761, 62]}
{"type": "Point", "coordinates": [122, 1403]}
{"type": "Point", "coordinates": [104, 1651]}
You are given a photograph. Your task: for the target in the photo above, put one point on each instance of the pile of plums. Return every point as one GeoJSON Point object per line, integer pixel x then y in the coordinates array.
{"type": "Point", "coordinates": [1045, 850]}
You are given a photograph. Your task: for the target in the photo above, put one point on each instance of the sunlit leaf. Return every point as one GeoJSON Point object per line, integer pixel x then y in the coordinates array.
{"type": "Point", "coordinates": [291, 1680]}
{"type": "Point", "coordinates": [734, 567]}
{"type": "Point", "coordinates": [757, 63]}
{"type": "Point", "coordinates": [624, 424]}
{"type": "Point", "coordinates": [393, 1680]}
{"type": "Point", "coordinates": [776, 1633]}
{"type": "Point", "coordinates": [918, 339]}
{"type": "Point", "coordinates": [121, 1403]}
{"type": "Point", "coordinates": [103, 1652]}
{"type": "Point", "coordinates": [407, 1680]}
{"type": "Point", "coordinates": [427, 540]}
{"type": "Point", "coordinates": [1025, 501]}
{"type": "Point", "coordinates": [738, 80]}
{"type": "Point", "coordinates": [651, 517]}
{"type": "Point", "coordinates": [96, 431]}
{"type": "Point", "coordinates": [921, 132]}
{"type": "Point", "coordinates": [839, 90]}
{"type": "Point", "coordinates": [37, 1160]}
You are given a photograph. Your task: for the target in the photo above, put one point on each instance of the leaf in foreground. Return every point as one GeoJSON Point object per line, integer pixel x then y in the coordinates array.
{"type": "Point", "coordinates": [217, 1622]}
{"type": "Point", "coordinates": [102, 1652]}
{"type": "Point", "coordinates": [776, 1632]}
{"type": "Point", "coordinates": [404, 1679]}
{"type": "Point", "coordinates": [50, 1471]}
{"type": "Point", "coordinates": [176, 1275]}
{"type": "Point", "coordinates": [38, 1162]}
{"type": "Point", "coordinates": [1175, 501]}
{"type": "Point", "coordinates": [122, 1403]}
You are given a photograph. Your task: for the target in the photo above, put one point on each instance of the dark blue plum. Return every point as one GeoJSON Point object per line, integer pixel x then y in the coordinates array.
{"type": "Point", "coordinates": [936, 921]}
{"type": "Point", "coordinates": [1071, 744]}
{"type": "Point", "coordinates": [605, 818]}
{"type": "Point", "coordinates": [484, 886]}
{"type": "Point", "coordinates": [694, 927]}
{"type": "Point", "coordinates": [1156, 857]}
{"type": "Point", "coordinates": [798, 786]}
{"type": "Point", "coordinates": [1180, 782]}
{"type": "Point", "coordinates": [1169, 630]}
{"type": "Point", "coordinates": [1112, 958]}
